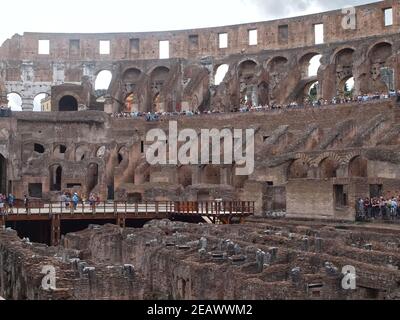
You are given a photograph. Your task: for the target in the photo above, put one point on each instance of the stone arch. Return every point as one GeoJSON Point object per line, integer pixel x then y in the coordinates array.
{"type": "Point", "coordinates": [103, 80]}
{"type": "Point", "coordinates": [339, 51]}
{"type": "Point", "coordinates": [277, 64]}
{"type": "Point", "coordinates": [305, 63]}
{"type": "Point", "coordinates": [131, 75]}
{"type": "Point", "coordinates": [56, 177]}
{"type": "Point", "coordinates": [59, 151]}
{"type": "Point", "coordinates": [298, 169]}
{"type": "Point", "coordinates": [37, 101]}
{"type": "Point", "coordinates": [328, 168]}
{"type": "Point", "coordinates": [309, 89]}
{"type": "Point", "coordinates": [248, 83]}
{"type": "Point", "coordinates": [14, 101]}
{"type": "Point", "coordinates": [380, 51]}
{"type": "Point", "coordinates": [159, 77]}
{"type": "Point", "coordinates": [68, 103]}
{"type": "Point", "coordinates": [220, 72]}
{"type": "Point", "coordinates": [344, 62]}
{"type": "Point", "coordinates": [101, 152]}
{"type": "Point", "coordinates": [358, 167]}
{"type": "Point", "coordinates": [123, 154]}
{"type": "Point", "coordinates": [332, 155]}
{"type": "Point", "coordinates": [82, 152]}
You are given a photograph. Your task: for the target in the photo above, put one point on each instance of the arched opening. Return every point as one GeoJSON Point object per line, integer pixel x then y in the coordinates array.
{"type": "Point", "coordinates": [92, 177]}
{"type": "Point", "coordinates": [55, 178]}
{"type": "Point", "coordinates": [158, 78]}
{"type": "Point", "coordinates": [298, 170]}
{"type": "Point", "coordinates": [68, 103]}
{"type": "Point", "coordinates": [381, 70]}
{"type": "Point", "coordinates": [81, 153]}
{"type": "Point", "coordinates": [123, 154]}
{"type": "Point", "coordinates": [220, 74]}
{"type": "Point", "coordinates": [102, 83]}
{"type": "Point", "coordinates": [248, 85]}
{"type": "Point", "coordinates": [312, 91]}
{"type": "Point", "coordinates": [3, 174]}
{"type": "Point", "coordinates": [310, 64]}
{"type": "Point", "coordinates": [130, 78]}
{"type": "Point", "coordinates": [358, 167]}
{"type": "Point", "coordinates": [37, 102]}
{"type": "Point", "coordinates": [39, 148]}
{"type": "Point", "coordinates": [328, 168]}
{"type": "Point", "coordinates": [344, 72]}
{"type": "Point", "coordinates": [14, 101]}
{"type": "Point", "coordinates": [100, 153]}
{"type": "Point", "coordinates": [60, 151]}
{"type": "Point", "coordinates": [347, 87]}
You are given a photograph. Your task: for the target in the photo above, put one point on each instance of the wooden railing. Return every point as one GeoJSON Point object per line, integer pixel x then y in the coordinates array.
{"type": "Point", "coordinates": [205, 208]}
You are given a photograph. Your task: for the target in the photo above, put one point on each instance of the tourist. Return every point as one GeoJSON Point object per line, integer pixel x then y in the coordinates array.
{"type": "Point", "coordinates": [26, 204]}
{"type": "Point", "coordinates": [393, 209]}
{"type": "Point", "coordinates": [67, 201]}
{"type": "Point", "coordinates": [75, 200]}
{"type": "Point", "coordinates": [2, 200]}
{"type": "Point", "coordinates": [92, 202]}
{"type": "Point", "coordinates": [360, 208]}
{"type": "Point", "coordinates": [11, 201]}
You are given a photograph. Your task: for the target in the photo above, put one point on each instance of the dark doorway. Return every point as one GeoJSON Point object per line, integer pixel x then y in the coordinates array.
{"type": "Point", "coordinates": [55, 178]}
{"type": "Point", "coordinates": [93, 176]}
{"type": "Point", "coordinates": [341, 196]}
{"type": "Point", "coordinates": [375, 190]}
{"type": "Point", "coordinates": [35, 190]}
{"type": "Point", "coordinates": [3, 175]}
{"type": "Point", "coordinates": [110, 193]}
{"type": "Point", "coordinates": [68, 103]}
{"type": "Point", "coordinates": [135, 198]}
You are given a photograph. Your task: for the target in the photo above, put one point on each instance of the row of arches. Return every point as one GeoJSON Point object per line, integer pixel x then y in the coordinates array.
{"type": "Point", "coordinates": [328, 168]}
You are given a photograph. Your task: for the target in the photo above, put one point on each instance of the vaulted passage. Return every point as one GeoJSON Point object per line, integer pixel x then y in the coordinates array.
{"type": "Point", "coordinates": [68, 103]}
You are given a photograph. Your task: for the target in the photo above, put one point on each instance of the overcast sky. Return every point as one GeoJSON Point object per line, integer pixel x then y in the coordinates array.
{"type": "Point", "coordinates": [19, 16]}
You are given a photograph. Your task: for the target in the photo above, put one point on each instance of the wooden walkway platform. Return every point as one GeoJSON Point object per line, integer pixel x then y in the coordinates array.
{"type": "Point", "coordinates": [55, 212]}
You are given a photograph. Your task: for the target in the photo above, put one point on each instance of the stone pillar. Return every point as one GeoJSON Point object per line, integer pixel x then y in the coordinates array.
{"type": "Point", "coordinates": [27, 103]}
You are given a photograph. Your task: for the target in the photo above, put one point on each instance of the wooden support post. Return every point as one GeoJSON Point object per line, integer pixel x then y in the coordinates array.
{"type": "Point", "coordinates": [55, 230]}
{"type": "Point", "coordinates": [121, 220]}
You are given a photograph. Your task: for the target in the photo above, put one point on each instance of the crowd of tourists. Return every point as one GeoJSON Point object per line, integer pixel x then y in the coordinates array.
{"type": "Point", "coordinates": [6, 203]}
{"type": "Point", "coordinates": [156, 116]}
{"type": "Point", "coordinates": [386, 208]}
{"type": "Point", "coordinates": [71, 201]}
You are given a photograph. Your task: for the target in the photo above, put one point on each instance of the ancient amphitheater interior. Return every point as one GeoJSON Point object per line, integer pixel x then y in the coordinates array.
{"type": "Point", "coordinates": [317, 218]}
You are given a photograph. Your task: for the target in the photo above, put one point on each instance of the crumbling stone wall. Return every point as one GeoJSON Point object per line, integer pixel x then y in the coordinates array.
{"type": "Point", "coordinates": [277, 73]}
{"type": "Point", "coordinates": [260, 260]}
